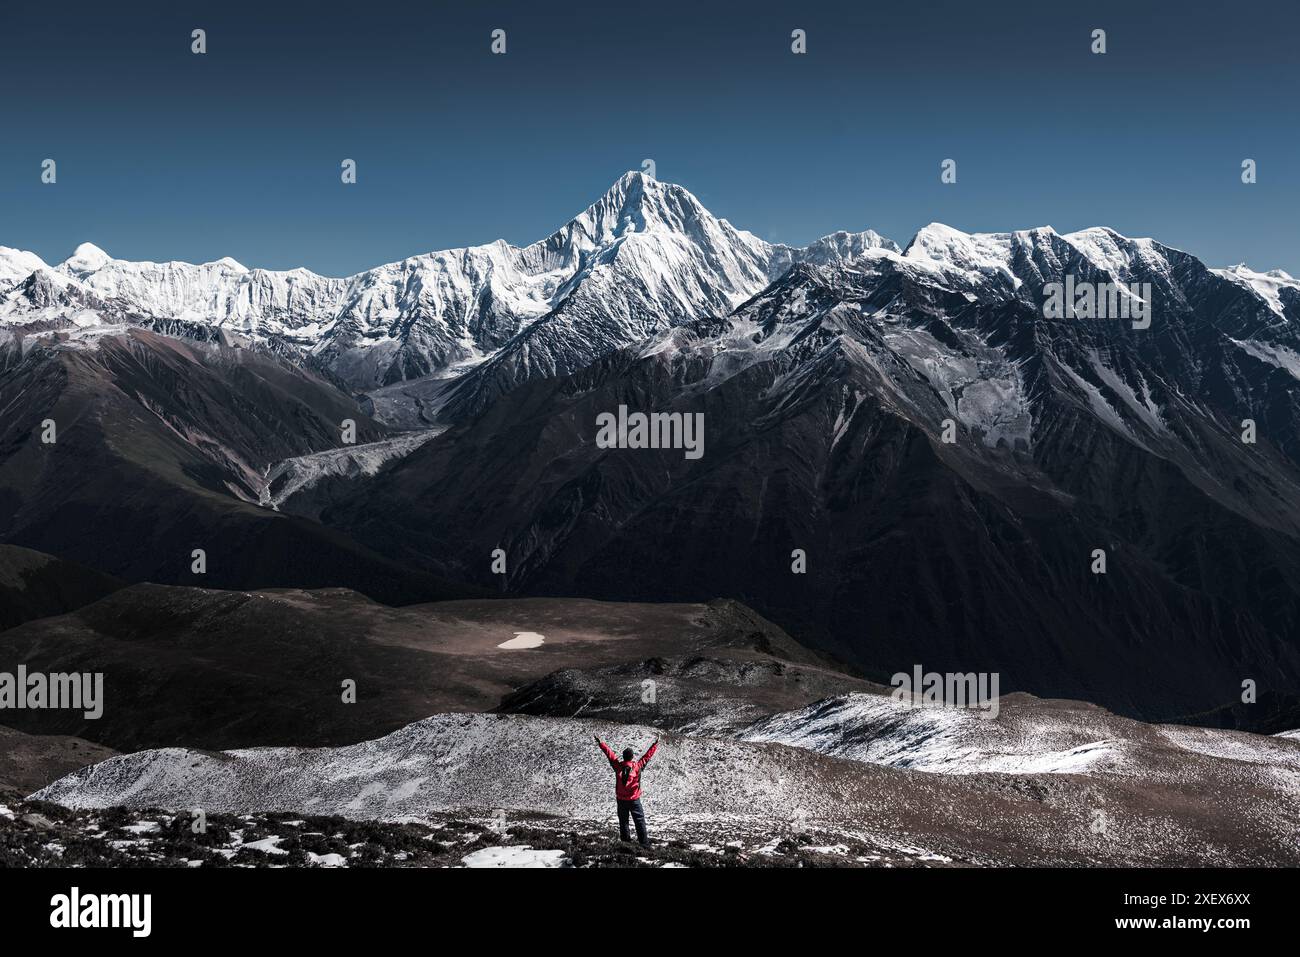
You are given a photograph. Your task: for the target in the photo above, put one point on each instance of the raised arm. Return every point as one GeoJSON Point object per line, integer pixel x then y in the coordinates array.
{"type": "Point", "coordinates": [645, 758]}
{"type": "Point", "coordinates": [609, 752]}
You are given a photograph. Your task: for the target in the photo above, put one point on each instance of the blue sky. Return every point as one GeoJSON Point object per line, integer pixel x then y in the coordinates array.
{"type": "Point", "coordinates": [166, 155]}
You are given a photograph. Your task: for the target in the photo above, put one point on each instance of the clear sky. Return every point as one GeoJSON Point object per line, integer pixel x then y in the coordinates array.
{"type": "Point", "coordinates": [166, 155]}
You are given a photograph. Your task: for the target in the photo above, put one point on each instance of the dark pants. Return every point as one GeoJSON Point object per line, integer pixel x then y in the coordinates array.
{"type": "Point", "coordinates": [638, 818]}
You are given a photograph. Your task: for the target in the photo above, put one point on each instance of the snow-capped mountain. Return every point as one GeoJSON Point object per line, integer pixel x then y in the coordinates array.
{"type": "Point", "coordinates": [644, 256]}
{"type": "Point", "coordinates": [873, 406]}
{"type": "Point", "coordinates": [17, 264]}
{"type": "Point", "coordinates": [951, 454]}
{"type": "Point", "coordinates": [1279, 289]}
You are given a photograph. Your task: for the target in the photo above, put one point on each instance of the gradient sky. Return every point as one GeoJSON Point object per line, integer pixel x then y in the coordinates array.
{"type": "Point", "coordinates": [166, 155]}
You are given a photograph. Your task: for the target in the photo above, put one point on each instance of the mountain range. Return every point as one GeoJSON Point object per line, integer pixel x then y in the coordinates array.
{"type": "Point", "coordinates": [948, 458]}
{"type": "Point", "coordinates": [645, 254]}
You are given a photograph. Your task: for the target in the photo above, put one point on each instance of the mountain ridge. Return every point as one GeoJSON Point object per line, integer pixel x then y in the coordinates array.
{"type": "Point", "coordinates": [649, 245]}
{"type": "Point", "coordinates": [423, 314]}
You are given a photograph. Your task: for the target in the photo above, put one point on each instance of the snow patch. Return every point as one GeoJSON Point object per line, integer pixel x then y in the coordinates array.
{"type": "Point", "coordinates": [1267, 285]}
{"type": "Point", "coordinates": [268, 845]}
{"type": "Point", "coordinates": [290, 476]}
{"type": "Point", "coordinates": [524, 856]}
{"type": "Point", "coordinates": [523, 639]}
{"type": "Point", "coordinates": [1273, 354]}
{"type": "Point", "coordinates": [327, 860]}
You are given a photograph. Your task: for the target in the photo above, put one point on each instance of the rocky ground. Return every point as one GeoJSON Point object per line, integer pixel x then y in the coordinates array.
{"type": "Point", "coordinates": [31, 761]}
{"type": "Point", "coordinates": [41, 834]}
{"type": "Point", "coordinates": [771, 754]}
{"type": "Point", "coordinates": [1198, 798]}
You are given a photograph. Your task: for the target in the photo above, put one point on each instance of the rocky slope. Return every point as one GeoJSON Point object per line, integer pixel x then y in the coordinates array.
{"type": "Point", "coordinates": [828, 401]}
{"type": "Point", "coordinates": [31, 761]}
{"type": "Point", "coordinates": [35, 585]}
{"type": "Point", "coordinates": [160, 446]}
{"type": "Point", "coordinates": [218, 669]}
{"type": "Point", "coordinates": [1210, 805]}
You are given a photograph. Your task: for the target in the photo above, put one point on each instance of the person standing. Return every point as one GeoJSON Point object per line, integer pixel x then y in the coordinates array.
{"type": "Point", "coordinates": [627, 788]}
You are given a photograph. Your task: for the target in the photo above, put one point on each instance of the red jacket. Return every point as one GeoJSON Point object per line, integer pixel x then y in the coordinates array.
{"type": "Point", "coordinates": [627, 781]}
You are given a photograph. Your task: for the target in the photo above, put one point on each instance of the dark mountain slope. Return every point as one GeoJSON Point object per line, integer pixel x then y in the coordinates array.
{"type": "Point", "coordinates": [28, 762]}
{"type": "Point", "coordinates": [220, 669]}
{"type": "Point", "coordinates": [35, 585]}
{"type": "Point", "coordinates": [162, 447]}
{"type": "Point", "coordinates": [824, 400]}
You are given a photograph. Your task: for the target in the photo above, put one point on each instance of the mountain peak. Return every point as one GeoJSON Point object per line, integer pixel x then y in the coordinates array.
{"type": "Point", "coordinates": [634, 177]}
{"type": "Point", "coordinates": [86, 258]}
{"type": "Point", "coordinates": [17, 264]}
{"type": "Point", "coordinates": [639, 203]}
{"type": "Point", "coordinates": [842, 246]}
{"type": "Point", "coordinates": [941, 245]}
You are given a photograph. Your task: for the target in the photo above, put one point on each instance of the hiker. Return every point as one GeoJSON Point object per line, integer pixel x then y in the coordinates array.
{"type": "Point", "coordinates": [627, 788]}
